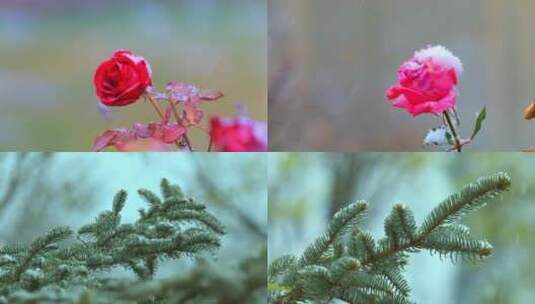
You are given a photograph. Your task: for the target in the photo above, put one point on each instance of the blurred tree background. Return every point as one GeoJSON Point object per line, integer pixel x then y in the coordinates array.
{"type": "Point", "coordinates": [306, 188]}
{"type": "Point", "coordinates": [49, 51]}
{"type": "Point", "coordinates": [41, 190]}
{"type": "Point", "coordinates": [332, 61]}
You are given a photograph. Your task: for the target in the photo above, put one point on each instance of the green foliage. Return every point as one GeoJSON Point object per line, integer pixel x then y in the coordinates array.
{"type": "Point", "coordinates": [206, 283]}
{"type": "Point", "coordinates": [347, 263]}
{"type": "Point", "coordinates": [481, 116]}
{"type": "Point", "coordinates": [58, 268]}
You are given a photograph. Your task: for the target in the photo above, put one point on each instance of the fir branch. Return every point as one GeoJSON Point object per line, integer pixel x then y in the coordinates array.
{"type": "Point", "coordinates": [449, 242]}
{"type": "Point", "coordinates": [171, 228]}
{"type": "Point", "coordinates": [204, 284]}
{"type": "Point", "coordinates": [397, 281]}
{"type": "Point", "coordinates": [342, 222]}
{"type": "Point", "coordinates": [40, 245]}
{"type": "Point", "coordinates": [357, 269]}
{"type": "Point", "coordinates": [170, 191]}
{"type": "Point", "coordinates": [150, 197]}
{"type": "Point", "coordinates": [470, 198]}
{"type": "Point", "coordinates": [203, 218]}
{"type": "Point", "coordinates": [281, 265]}
{"type": "Point", "coordinates": [119, 201]}
{"type": "Point", "coordinates": [401, 217]}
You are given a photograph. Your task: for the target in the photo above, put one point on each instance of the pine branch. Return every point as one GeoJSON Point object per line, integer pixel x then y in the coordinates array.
{"type": "Point", "coordinates": [347, 263]}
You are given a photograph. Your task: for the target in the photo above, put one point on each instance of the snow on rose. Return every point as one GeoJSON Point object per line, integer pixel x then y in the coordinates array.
{"type": "Point", "coordinates": [126, 78]}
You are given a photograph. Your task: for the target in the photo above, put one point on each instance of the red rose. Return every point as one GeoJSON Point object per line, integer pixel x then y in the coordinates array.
{"type": "Point", "coordinates": [238, 135]}
{"type": "Point", "coordinates": [122, 79]}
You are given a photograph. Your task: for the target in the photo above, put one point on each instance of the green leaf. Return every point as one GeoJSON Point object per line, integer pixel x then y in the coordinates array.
{"type": "Point", "coordinates": [449, 138]}
{"type": "Point", "coordinates": [479, 122]}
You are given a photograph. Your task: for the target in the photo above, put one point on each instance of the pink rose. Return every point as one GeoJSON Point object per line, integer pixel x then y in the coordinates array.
{"type": "Point", "coordinates": [427, 82]}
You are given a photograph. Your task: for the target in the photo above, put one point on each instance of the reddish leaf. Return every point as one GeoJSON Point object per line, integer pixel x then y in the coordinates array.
{"type": "Point", "coordinates": [149, 144]}
{"type": "Point", "coordinates": [128, 139]}
{"type": "Point", "coordinates": [141, 130]}
{"type": "Point", "coordinates": [211, 95]}
{"type": "Point", "coordinates": [191, 115]}
{"type": "Point", "coordinates": [166, 133]}
{"type": "Point", "coordinates": [184, 92]}
{"type": "Point", "coordinates": [104, 140]}
{"type": "Point", "coordinates": [124, 136]}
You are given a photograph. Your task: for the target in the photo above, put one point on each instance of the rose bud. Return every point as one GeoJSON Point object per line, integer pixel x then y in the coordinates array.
{"type": "Point", "coordinates": [427, 83]}
{"type": "Point", "coordinates": [122, 79]}
{"type": "Point", "coordinates": [238, 135]}
{"type": "Point", "coordinates": [529, 112]}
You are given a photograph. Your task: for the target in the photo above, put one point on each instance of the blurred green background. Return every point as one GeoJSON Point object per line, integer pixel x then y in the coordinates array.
{"type": "Point", "coordinates": [41, 190]}
{"type": "Point", "coordinates": [49, 51]}
{"type": "Point", "coordinates": [332, 61]}
{"type": "Point", "coordinates": [305, 189]}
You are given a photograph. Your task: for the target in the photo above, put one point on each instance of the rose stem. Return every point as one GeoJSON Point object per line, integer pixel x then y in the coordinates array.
{"type": "Point", "coordinates": [210, 144]}
{"type": "Point", "coordinates": [156, 106]}
{"type": "Point", "coordinates": [177, 117]}
{"type": "Point", "coordinates": [453, 131]}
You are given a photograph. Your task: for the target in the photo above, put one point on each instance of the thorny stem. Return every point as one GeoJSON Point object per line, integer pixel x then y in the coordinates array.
{"type": "Point", "coordinates": [453, 131]}
{"type": "Point", "coordinates": [177, 117]}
